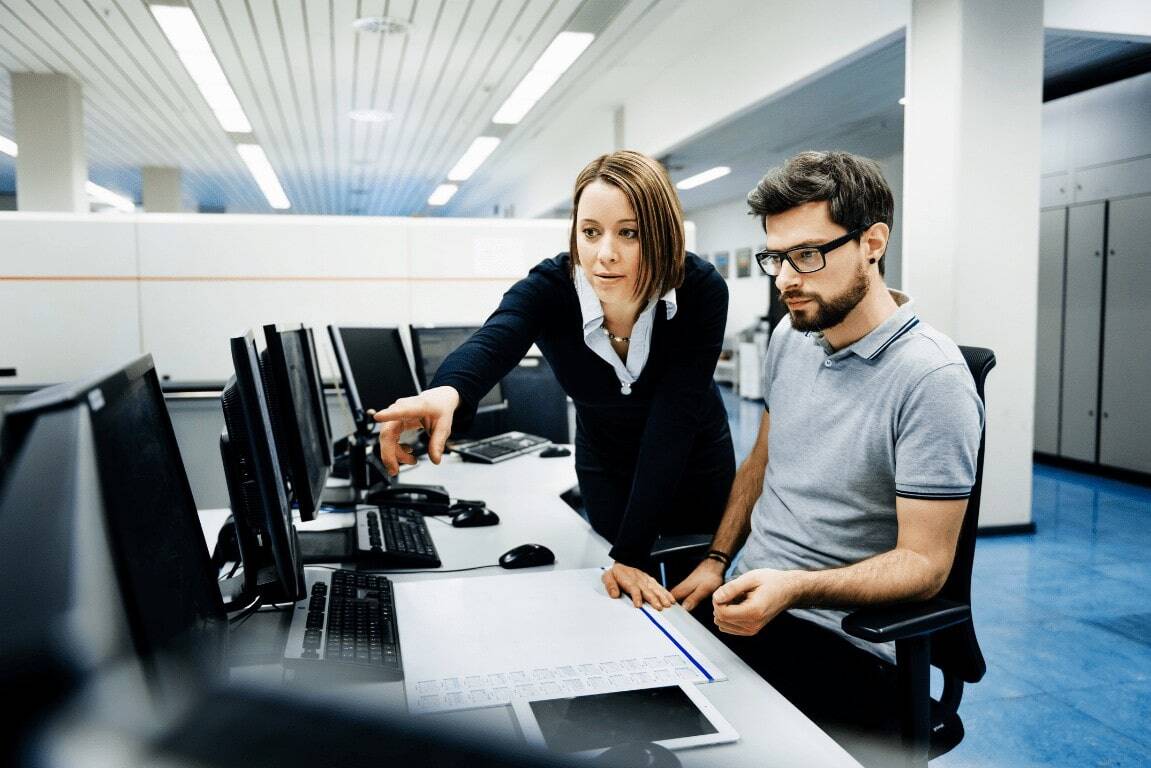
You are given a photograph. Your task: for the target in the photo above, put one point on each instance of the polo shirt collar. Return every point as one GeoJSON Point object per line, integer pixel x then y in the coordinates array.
{"type": "Point", "coordinates": [883, 335]}
{"type": "Point", "coordinates": [592, 311]}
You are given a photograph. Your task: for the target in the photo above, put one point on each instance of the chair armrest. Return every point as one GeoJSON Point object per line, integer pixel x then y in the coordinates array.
{"type": "Point", "coordinates": [900, 621]}
{"type": "Point", "coordinates": [689, 545]}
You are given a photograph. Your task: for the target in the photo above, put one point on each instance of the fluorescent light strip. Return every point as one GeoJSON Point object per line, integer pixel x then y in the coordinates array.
{"type": "Point", "coordinates": [442, 194]}
{"type": "Point", "coordinates": [257, 161]}
{"type": "Point", "coordinates": [711, 174]}
{"type": "Point", "coordinates": [479, 151]}
{"type": "Point", "coordinates": [187, 38]}
{"type": "Point", "coordinates": [108, 197]}
{"type": "Point", "coordinates": [252, 155]}
{"type": "Point", "coordinates": [554, 61]}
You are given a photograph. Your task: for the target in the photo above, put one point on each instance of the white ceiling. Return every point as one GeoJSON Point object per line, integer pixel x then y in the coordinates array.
{"type": "Point", "coordinates": [298, 67]}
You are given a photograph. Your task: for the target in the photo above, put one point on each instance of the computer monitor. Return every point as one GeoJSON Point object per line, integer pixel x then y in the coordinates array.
{"type": "Point", "coordinates": [374, 368]}
{"type": "Point", "coordinates": [296, 404]}
{"type": "Point", "coordinates": [103, 554]}
{"type": "Point", "coordinates": [322, 405]}
{"type": "Point", "coordinates": [431, 344]}
{"type": "Point", "coordinates": [261, 513]}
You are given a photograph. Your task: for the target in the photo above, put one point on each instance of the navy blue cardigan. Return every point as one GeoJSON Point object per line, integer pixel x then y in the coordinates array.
{"type": "Point", "coordinates": [652, 432]}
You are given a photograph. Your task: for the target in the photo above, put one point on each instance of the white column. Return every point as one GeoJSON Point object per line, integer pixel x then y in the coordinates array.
{"type": "Point", "coordinates": [972, 141]}
{"type": "Point", "coordinates": [161, 189]}
{"type": "Point", "coordinates": [52, 168]}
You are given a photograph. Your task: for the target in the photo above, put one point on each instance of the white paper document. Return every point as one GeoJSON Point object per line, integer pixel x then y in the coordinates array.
{"type": "Point", "coordinates": [481, 642]}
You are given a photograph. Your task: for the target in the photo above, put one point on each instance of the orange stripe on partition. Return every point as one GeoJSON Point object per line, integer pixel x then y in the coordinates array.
{"type": "Point", "coordinates": [243, 279]}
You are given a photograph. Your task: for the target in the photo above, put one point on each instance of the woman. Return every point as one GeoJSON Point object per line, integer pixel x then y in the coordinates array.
{"type": "Point", "coordinates": [632, 326]}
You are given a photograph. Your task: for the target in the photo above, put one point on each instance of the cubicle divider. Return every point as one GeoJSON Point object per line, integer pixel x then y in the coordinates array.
{"type": "Point", "coordinates": [83, 291]}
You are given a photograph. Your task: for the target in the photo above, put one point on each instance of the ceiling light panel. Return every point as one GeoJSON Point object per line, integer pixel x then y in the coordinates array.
{"type": "Point", "coordinates": [711, 174]}
{"type": "Point", "coordinates": [442, 194]}
{"type": "Point", "coordinates": [473, 158]}
{"type": "Point", "coordinates": [183, 31]}
{"type": "Point", "coordinates": [257, 161]}
{"type": "Point", "coordinates": [555, 60]}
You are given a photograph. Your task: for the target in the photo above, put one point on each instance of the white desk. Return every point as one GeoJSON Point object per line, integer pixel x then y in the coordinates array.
{"type": "Point", "coordinates": [525, 493]}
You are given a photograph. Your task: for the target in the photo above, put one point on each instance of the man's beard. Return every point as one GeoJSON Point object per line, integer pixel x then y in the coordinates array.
{"type": "Point", "coordinates": [829, 312]}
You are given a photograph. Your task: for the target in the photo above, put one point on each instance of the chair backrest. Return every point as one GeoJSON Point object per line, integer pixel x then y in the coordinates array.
{"type": "Point", "coordinates": [955, 650]}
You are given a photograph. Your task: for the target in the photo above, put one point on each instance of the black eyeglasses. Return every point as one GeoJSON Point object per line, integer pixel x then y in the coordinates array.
{"type": "Point", "coordinates": [806, 258]}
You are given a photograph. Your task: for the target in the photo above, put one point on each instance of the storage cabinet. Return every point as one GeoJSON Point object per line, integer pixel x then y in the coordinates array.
{"type": "Point", "coordinates": [1125, 428]}
{"type": "Point", "coordinates": [1082, 308]}
{"type": "Point", "coordinates": [1049, 330]}
{"type": "Point", "coordinates": [1093, 346]}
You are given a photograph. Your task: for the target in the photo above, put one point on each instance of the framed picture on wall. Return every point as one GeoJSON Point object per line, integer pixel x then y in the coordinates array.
{"type": "Point", "coordinates": [743, 262]}
{"type": "Point", "coordinates": [721, 258]}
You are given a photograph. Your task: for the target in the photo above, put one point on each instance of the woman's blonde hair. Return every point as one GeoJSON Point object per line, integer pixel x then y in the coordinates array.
{"type": "Point", "coordinates": [659, 216]}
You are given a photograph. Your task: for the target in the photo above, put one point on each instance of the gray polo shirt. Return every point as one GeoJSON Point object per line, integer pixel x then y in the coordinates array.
{"type": "Point", "coordinates": [894, 414]}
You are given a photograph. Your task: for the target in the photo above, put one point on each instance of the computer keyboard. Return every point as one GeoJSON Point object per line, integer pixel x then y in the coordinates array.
{"type": "Point", "coordinates": [499, 447]}
{"type": "Point", "coordinates": [348, 624]}
{"type": "Point", "coordinates": [393, 537]}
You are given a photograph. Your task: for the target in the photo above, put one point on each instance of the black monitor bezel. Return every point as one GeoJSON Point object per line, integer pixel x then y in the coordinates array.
{"type": "Point", "coordinates": [93, 394]}
{"type": "Point", "coordinates": [321, 405]}
{"type": "Point", "coordinates": [351, 392]}
{"type": "Point", "coordinates": [364, 423]}
{"type": "Point", "coordinates": [307, 478]}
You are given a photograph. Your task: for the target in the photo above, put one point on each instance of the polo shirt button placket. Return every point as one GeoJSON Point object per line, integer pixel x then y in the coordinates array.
{"type": "Point", "coordinates": [827, 363]}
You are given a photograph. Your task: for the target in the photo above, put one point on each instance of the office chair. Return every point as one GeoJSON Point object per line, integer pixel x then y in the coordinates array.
{"type": "Point", "coordinates": [672, 557]}
{"type": "Point", "coordinates": [537, 404]}
{"type": "Point", "coordinates": [938, 632]}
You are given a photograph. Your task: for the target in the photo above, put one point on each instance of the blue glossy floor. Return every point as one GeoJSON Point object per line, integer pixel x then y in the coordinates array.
{"type": "Point", "coordinates": [1064, 620]}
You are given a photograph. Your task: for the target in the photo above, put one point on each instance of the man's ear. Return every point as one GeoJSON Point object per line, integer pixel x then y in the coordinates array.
{"type": "Point", "coordinates": [875, 239]}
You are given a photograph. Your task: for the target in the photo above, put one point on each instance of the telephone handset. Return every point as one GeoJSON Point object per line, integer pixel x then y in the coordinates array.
{"type": "Point", "coordinates": [420, 494]}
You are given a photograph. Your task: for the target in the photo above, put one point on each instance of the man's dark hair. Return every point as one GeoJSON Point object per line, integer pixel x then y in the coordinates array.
{"type": "Point", "coordinates": [854, 187]}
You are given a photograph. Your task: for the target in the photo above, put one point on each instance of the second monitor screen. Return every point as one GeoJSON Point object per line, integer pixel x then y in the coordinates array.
{"type": "Point", "coordinates": [431, 345]}
{"type": "Point", "coordinates": [379, 366]}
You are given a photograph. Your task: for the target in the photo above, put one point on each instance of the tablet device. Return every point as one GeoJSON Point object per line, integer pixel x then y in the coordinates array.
{"type": "Point", "coordinates": [674, 716]}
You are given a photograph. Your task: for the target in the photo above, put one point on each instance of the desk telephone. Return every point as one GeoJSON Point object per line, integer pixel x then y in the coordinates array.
{"type": "Point", "coordinates": [435, 497]}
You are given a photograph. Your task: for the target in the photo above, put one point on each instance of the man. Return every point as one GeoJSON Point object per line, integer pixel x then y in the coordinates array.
{"type": "Point", "coordinates": [855, 490]}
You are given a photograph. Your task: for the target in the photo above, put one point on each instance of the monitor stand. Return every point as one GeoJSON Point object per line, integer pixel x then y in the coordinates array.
{"type": "Point", "coordinates": [371, 484]}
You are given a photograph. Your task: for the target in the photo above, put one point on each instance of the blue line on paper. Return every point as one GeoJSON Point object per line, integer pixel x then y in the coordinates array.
{"type": "Point", "coordinates": [675, 642]}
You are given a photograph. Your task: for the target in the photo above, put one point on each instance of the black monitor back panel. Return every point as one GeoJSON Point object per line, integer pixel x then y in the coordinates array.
{"type": "Point", "coordinates": [256, 487]}
{"type": "Point", "coordinates": [92, 483]}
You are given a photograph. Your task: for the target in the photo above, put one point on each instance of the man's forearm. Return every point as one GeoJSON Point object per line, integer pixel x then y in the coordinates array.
{"type": "Point", "coordinates": [899, 574]}
{"type": "Point", "coordinates": [736, 522]}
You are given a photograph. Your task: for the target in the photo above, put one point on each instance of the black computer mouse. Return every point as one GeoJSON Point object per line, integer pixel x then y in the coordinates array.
{"type": "Point", "coordinates": [472, 516]}
{"type": "Point", "coordinates": [554, 450]}
{"type": "Point", "coordinates": [638, 754]}
{"type": "Point", "coordinates": [527, 556]}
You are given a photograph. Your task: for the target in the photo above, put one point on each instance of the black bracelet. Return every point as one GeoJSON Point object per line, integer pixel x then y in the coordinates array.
{"type": "Point", "coordinates": [723, 557]}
